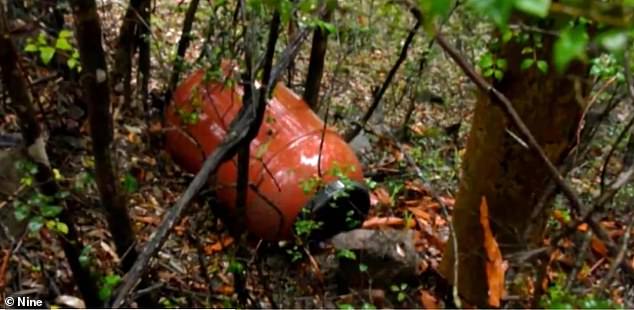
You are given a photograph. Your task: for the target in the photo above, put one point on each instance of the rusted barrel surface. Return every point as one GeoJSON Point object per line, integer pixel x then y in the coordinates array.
{"type": "Point", "coordinates": [284, 158]}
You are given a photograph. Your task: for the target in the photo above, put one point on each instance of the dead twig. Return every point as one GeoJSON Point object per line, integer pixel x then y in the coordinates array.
{"type": "Point", "coordinates": [619, 258]}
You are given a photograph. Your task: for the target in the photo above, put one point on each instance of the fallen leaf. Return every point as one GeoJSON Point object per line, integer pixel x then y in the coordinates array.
{"type": "Point", "coordinates": [428, 300]}
{"type": "Point", "coordinates": [448, 201]}
{"type": "Point", "coordinates": [377, 222]}
{"type": "Point", "coordinates": [218, 246]}
{"type": "Point", "coordinates": [583, 227]}
{"type": "Point", "coordinates": [382, 196]}
{"type": "Point", "coordinates": [494, 262]}
{"type": "Point", "coordinates": [599, 247]}
{"type": "Point", "coordinates": [225, 289]}
{"type": "Point", "coordinates": [419, 213]}
{"type": "Point", "coordinates": [147, 219]}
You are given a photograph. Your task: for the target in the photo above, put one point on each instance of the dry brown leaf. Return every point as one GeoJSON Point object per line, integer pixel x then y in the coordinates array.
{"type": "Point", "coordinates": [583, 227]}
{"type": "Point", "coordinates": [377, 222]}
{"type": "Point", "coordinates": [147, 219]}
{"type": "Point", "coordinates": [559, 216]}
{"type": "Point", "coordinates": [599, 247]}
{"type": "Point", "coordinates": [448, 201]}
{"type": "Point", "coordinates": [419, 213]}
{"type": "Point", "coordinates": [224, 289]}
{"type": "Point", "coordinates": [494, 262]}
{"type": "Point", "coordinates": [382, 196]}
{"type": "Point", "coordinates": [428, 300]}
{"type": "Point", "coordinates": [218, 246]}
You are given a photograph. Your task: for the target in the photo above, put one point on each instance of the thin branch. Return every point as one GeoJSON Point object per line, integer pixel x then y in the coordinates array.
{"type": "Point", "coordinates": [183, 44]}
{"type": "Point", "coordinates": [378, 95]}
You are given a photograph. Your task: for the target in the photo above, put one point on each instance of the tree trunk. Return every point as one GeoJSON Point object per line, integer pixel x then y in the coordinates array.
{"type": "Point", "coordinates": [144, 38]}
{"type": "Point", "coordinates": [509, 175]}
{"type": "Point", "coordinates": [121, 75]}
{"type": "Point", "coordinates": [317, 58]}
{"type": "Point", "coordinates": [94, 82]}
{"type": "Point", "coordinates": [183, 44]}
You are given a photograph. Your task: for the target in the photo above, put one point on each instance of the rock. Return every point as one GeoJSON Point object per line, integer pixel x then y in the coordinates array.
{"type": "Point", "coordinates": [385, 256]}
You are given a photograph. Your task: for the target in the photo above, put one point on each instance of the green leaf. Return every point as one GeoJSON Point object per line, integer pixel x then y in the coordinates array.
{"type": "Point", "coordinates": [570, 45]}
{"type": "Point", "coordinates": [501, 63]}
{"type": "Point", "coordinates": [41, 39]}
{"type": "Point", "coordinates": [305, 6]}
{"type": "Point", "coordinates": [61, 227]}
{"type": "Point", "coordinates": [130, 184]}
{"type": "Point", "coordinates": [112, 280]}
{"type": "Point", "coordinates": [286, 11]}
{"type": "Point", "coordinates": [46, 54]}
{"type": "Point", "coordinates": [489, 72]}
{"type": "Point", "coordinates": [65, 34]}
{"type": "Point", "coordinates": [84, 256]}
{"type": "Point", "coordinates": [345, 253]}
{"type": "Point", "coordinates": [526, 63]}
{"type": "Point", "coordinates": [486, 61]}
{"type": "Point", "coordinates": [434, 8]}
{"type": "Point", "coordinates": [613, 40]}
{"type": "Point", "coordinates": [105, 293]}
{"type": "Point", "coordinates": [498, 74]}
{"type": "Point", "coordinates": [498, 11]}
{"type": "Point", "coordinates": [63, 44]}
{"type": "Point", "coordinates": [363, 267]}
{"type": "Point", "coordinates": [533, 7]}
{"type": "Point", "coordinates": [30, 48]}
{"type": "Point", "coordinates": [542, 65]}
{"type": "Point", "coordinates": [21, 211]}
{"type": "Point", "coordinates": [345, 306]}
{"type": "Point", "coordinates": [507, 36]}
{"type": "Point", "coordinates": [71, 63]}
{"type": "Point", "coordinates": [36, 223]}
{"type": "Point", "coordinates": [50, 211]}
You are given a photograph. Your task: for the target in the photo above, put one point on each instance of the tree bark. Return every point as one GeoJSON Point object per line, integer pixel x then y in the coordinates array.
{"type": "Point", "coordinates": [94, 83]}
{"type": "Point", "coordinates": [144, 38]}
{"type": "Point", "coordinates": [126, 46]}
{"type": "Point", "coordinates": [317, 59]}
{"type": "Point", "coordinates": [183, 44]}
{"type": "Point", "coordinates": [504, 171]}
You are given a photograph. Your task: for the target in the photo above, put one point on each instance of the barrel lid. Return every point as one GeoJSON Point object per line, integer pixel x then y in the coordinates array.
{"type": "Point", "coordinates": [340, 206]}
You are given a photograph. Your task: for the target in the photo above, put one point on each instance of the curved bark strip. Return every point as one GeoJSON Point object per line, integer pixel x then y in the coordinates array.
{"type": "Point", "coordinates": [506, 172]}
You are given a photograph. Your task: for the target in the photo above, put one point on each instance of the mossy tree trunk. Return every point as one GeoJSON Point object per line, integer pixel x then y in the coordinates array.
{"type": "Point", "coordinates": [509, 175]}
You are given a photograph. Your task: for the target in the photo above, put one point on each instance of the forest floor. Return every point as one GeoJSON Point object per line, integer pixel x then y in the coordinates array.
{"type": "Point", "coordinates": [195, 267]}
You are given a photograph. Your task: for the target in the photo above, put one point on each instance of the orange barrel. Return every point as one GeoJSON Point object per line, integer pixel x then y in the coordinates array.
{"type": "Point", "coordinates": [283, 170]}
